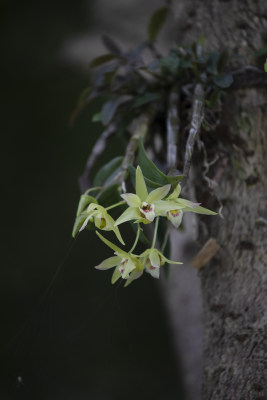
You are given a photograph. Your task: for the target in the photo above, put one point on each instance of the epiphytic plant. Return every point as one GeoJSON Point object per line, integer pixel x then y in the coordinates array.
{"type": "Point", "coordinates": [168, 102]}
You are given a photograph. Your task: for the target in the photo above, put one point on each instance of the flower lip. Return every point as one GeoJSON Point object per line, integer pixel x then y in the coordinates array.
{"type": "Point", "coordinates": [147, 211]}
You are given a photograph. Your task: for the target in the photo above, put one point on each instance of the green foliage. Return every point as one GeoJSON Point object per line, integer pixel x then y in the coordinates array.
{"type": "Point", "coordinates": [156, 21]}
{"type": "Point", "coordinates": [106, 173]}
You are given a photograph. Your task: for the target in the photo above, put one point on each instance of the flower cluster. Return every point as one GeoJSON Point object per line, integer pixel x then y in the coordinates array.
{"type": "Point", "coordinates": [143, 207]}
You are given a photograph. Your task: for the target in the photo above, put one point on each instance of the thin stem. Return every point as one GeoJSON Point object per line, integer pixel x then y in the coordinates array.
{"type": "Point", "coordinates": [165, 240]}
{"type": "Point", "coordinates": [136, 239]}
{"type": "Point", "coordinates": [120, 203]}
{"type": "Point", "coordinates": [98, 148]}
{"type": "Point", "coordinates": [140, 129]}
{"type": "Point", "coordinates": [155, 233]}
{"type": "Point", "coordinates": [94, 188]}
{"type": "Point", "coordinates": [173, 125]}
{"type": "Point", "coordinates": [197, 118]}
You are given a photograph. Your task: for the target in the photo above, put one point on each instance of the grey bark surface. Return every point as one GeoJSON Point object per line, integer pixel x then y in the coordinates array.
{"type": "Point", "coordinates": [234, 282]}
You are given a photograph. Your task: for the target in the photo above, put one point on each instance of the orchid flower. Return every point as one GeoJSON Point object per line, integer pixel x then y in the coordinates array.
{"type": "Point", "coordinates": [176, 214]}
{"type": "Point", "coordinates": [127, 265]}
{"type": "Point", "coordinates": [144, 206]}
{"type": "Point", "coordinates": [153, 259]}
{"type": "Point", "coordinates": [102, 220]}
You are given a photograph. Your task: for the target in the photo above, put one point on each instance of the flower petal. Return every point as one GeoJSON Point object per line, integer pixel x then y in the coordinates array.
{"type": "Point", "coordinates": [116, 275]}
{"type": "Point", "coordinates": [131, 199]}
{"type": "Point", "coordinates": [200, 210]}
{"type": "Point", "coordinates": [158, 194]}
{"type": "Point", "coordinates": [128, 215]}
{"type": "Point", "coordinates": [109, 263]}
{"type": "Point", "coordinates": [112, 246]}
{"type": "Point", "coordinates": [170, 261]}
{"type": "Point", "coordinates": [141, 189]}
{"type": "Point", "coordinates": [85, 223]}
{"type": "Point", "coordinates": [154, 258]}
{"type": "Point", "coordinates": [175, 193]}
{"type": "Point", "coordinates": [187, 203]}
{"type": "Point", "coordinates": [129, 266]}
{"type": "Point", "coordinates": [163, 206]}
{"type": "Point", "coordinates": [175, 216]}
{"type": "Point", "coordinates": [153, 271]}
{"type": "Point", "coordinates": [147, 211]}
{"type": "Point", "coordinates": [115, 229]}
{"type": "Point", "coordinates": [134, 275]}
{"type": "Point", "coordinates": [92, 207]}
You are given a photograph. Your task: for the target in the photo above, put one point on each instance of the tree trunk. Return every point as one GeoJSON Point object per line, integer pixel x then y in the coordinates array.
{"type": "Point", "coordinates": [234, 282]}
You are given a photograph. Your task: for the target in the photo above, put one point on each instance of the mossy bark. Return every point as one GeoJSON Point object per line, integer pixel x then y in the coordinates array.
{"type": "Point", "coordinates": [234, 282]}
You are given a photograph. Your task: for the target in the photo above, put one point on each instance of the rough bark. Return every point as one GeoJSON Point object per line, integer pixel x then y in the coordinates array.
{"type": "Point", "coordinates": [234, 283]}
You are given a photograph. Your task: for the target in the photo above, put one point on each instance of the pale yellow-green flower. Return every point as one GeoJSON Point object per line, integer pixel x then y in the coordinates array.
{"type": "Point", "coordinates": [144, 206]}
{"type": "Point", "coordinates": [127, 265]}
{"type": "Point", "coordinates": [175, 215]}
{"type": "Point", "coordinates": [102, 220]}
{"type": "Point", "coordinates": [153, 259]}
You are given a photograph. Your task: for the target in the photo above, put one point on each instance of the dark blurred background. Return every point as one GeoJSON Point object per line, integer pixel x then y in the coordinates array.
{"type": "Point", "coordinates": [79, 338]}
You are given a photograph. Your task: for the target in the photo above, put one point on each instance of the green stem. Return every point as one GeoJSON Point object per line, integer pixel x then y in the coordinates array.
{"type": "Point", "coordinates": [155, 232]}
{"type": "Point", "coordinates": [136, 239]}
{"type": "Point", "coordinates": [120, 203]}
{"type": "Point", "coordinates": [94, 188]}
{"type": "Point", "coordinates": [165, 240]}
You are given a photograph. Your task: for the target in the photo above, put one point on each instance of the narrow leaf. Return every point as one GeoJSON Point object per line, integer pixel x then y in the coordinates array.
{"type": "Point", "coordinates": [110, 107]}
{"type": "Point", "coordinates": [111, 45]}
{"type": "Point", "coordinates": [156, 22]}
{"type": "Point", "coordinates": [109, 196]}
{"type": "Point", "coordinates": [212, 63]}
{"type": "Point", "coordinates": [106, 172]}
{"type": "Point", "coordinates": [149, 168]}
{"type": "Point", "coordinates": [96, 62]}
{"type": "Point", "coordinates": [146, 98]}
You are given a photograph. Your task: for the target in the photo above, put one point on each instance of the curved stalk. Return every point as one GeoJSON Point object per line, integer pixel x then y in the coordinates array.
{"type": "Point", "coordinates": [136, 239]}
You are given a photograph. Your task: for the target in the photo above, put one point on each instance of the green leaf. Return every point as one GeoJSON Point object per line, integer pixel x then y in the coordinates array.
{"type": "Point", "coordinates": [107, 172]}
{"type": "Point", "coordinates": [105, 58]}
{"type": "Point", "coordinates": [171, 63]}
{"type": "Point", "coordinates": [109, 196]}
{"type": "Point", "coordinates": [175, 179]}
{"type": "Point", "coordinates": [265, 65]}
{"type": "Point", "coordinates": [156, 21]}
{"type": "Point", "coordinates": [222, 61]}
{"type": "Point", "coordinates": [152, 174]}
{"type": "Point", "coordinates": [85, 200]}
{"type": "Point", "coordinates": [144, 99]}
{"type": "Point", "coordinates": [149, 169]}
{"type": "Point", "coordinates": [212, 63]}
{"type": "Point", "coordinates": [223, 80]}
{"type": "Point", "coordinates": [110, 107]}
{"type": "Point", "coordinates": [96, 117]}
{"type": "Point", "coordinates": [111, 45]}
